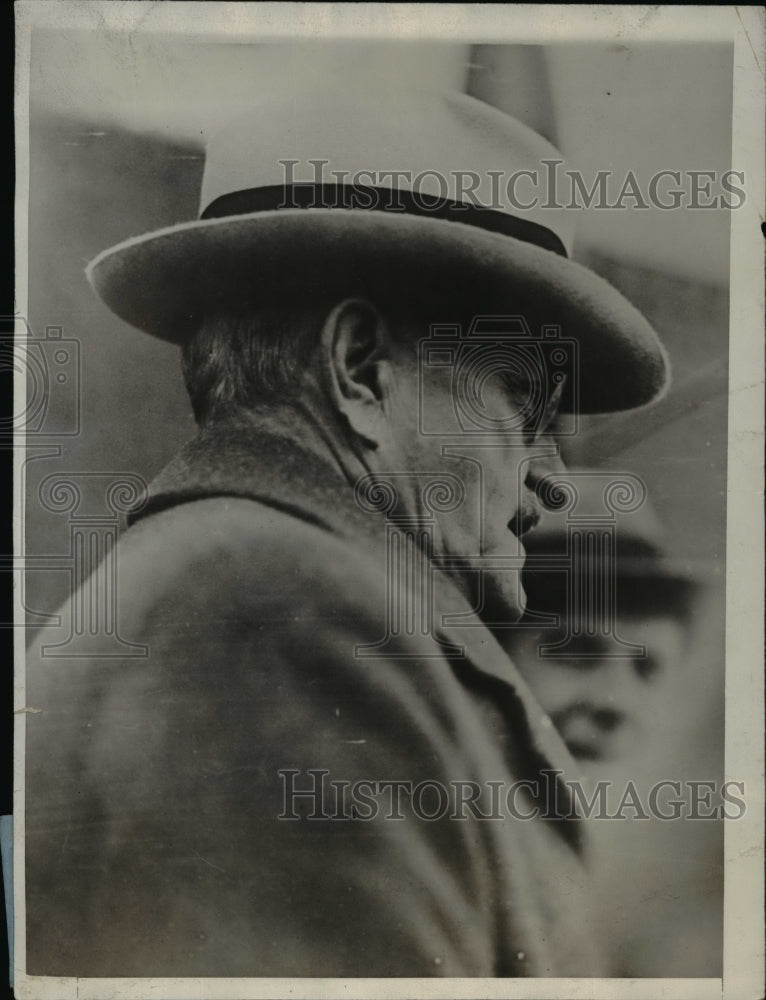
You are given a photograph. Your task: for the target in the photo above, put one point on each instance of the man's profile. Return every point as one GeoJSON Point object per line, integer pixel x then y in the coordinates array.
{"type": "Point", "coordinates": [259, 571]}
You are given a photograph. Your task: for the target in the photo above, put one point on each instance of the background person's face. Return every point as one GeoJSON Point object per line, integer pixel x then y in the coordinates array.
{"type": "Point", "coordinates": [606, 707]}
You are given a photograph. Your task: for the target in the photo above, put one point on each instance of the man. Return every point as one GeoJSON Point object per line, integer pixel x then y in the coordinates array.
{"type": "Point", "coordinates": [604, 679]}
{"type": "Point", "coordinates": [306, 575]}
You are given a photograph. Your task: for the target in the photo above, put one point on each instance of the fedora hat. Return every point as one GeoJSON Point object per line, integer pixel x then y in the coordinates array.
{"type": "Point", "coordinates": [414, 198]}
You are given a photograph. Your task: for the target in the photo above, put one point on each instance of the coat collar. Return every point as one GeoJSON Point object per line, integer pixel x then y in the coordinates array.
{"type": "Point", "coordinates": [278, 462]}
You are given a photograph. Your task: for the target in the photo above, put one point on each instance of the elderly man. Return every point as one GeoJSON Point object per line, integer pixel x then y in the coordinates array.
{"type": "Point", "coordinates": [313, 576]}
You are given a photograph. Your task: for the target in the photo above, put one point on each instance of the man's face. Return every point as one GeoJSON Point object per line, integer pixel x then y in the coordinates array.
{"type": "Point", "coordinates": [496, 470]}
{"type": "Point", "coordinates": [605, 707]}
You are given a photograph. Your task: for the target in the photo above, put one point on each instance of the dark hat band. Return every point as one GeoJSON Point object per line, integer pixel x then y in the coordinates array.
{"type": "Point", "coordinates": [374, 199]}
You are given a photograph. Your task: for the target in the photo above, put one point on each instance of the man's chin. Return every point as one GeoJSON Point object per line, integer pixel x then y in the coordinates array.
{"type": "Point", "coordinates": [497, 596]}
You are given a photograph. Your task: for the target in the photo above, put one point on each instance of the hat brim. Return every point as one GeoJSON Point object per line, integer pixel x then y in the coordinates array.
{"type": "Point", "coordinates": [663, 584]}
{"type": "Point", "coordinates": [672, 570]}
{"type": "Point", "coordinates": [164, 281]}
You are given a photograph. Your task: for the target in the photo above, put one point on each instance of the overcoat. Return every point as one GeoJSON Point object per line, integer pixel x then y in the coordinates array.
{"type": "Point", "coordinates": [165, 830]}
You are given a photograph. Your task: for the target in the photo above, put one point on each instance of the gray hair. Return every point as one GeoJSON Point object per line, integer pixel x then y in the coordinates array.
{"type": "Point", "coordinates": [248, 358]}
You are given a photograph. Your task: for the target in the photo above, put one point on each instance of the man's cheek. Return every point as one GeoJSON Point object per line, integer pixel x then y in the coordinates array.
{"type": "Point", "coordinates": [466, 519]}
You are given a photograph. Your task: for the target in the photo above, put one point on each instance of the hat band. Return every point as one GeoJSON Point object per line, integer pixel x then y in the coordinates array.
{"type": "Point", "coordinates": [359, 197]}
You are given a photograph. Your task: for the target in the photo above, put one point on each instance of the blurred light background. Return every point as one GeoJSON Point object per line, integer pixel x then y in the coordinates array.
{"type": "Point", "coordinates": [118, 124]}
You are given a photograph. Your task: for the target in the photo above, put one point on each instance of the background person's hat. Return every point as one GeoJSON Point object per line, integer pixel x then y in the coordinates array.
{"type": "Point", "coordinates": [648, 577]}
{"type": "Point", "coordinates": [266, 230]}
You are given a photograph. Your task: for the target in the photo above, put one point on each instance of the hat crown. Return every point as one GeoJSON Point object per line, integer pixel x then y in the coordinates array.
{"type": "Point", "coordinates": [472, 255]}
{"type": "Point", "coordinates": [444, 145]}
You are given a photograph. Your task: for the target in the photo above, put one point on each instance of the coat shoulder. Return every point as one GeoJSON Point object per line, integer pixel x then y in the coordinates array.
{"type": "Point", "coordinates": [238, 552]}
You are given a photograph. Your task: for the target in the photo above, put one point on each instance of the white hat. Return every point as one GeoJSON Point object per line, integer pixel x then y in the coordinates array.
{"type": "Point", "coordinates": [323, 193]}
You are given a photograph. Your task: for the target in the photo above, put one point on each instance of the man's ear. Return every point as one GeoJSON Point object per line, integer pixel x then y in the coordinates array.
{"type": "Point", "coordinates": [355, 353]}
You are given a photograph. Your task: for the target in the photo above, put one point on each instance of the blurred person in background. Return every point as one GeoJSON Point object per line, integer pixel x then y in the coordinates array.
{"type": "Point", "coordinates": [605, 684]}
{"type": "Point", "coordinates": [627, 715]}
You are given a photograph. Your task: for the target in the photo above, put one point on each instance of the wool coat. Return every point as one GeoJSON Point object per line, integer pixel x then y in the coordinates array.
{"type": "Point", "coordinates": [165, 830]}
